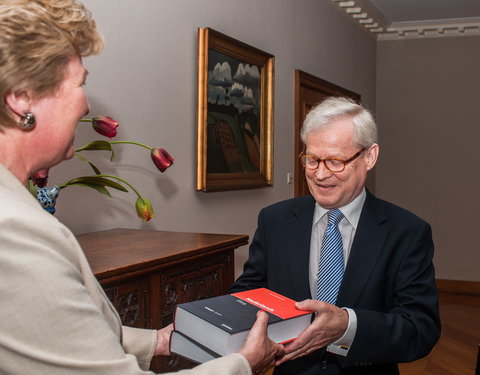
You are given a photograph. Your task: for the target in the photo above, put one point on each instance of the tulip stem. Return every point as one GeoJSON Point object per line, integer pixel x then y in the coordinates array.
{"type": "Point", "coordinates": [86, 120]}
{"type": "Point", "coordinates": [133, 143]}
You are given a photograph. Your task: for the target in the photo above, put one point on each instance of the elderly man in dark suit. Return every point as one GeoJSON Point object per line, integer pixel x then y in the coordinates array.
{"type": "Point", "coordinates": [363, 265]}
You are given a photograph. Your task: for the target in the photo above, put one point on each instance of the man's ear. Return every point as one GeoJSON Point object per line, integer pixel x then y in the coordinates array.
{"type": "Point", "coordinates": [18, 102]}
{"type": "Point", "coordinates": [372, 156]}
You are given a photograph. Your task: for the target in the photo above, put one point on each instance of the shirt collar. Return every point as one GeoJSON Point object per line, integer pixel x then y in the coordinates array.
{"type": "Point", "coordinates": [351, 211]}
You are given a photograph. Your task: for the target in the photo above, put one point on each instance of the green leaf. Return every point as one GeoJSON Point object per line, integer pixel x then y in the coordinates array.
{"type": "Point", "coordinates": [94, 180]}
{"type": "Point", "coordinates": [95, 169]}
{"type": "Point", "coordinates": [99, 188]}
{"type": "Point", "coordinates": [85, 160]}
{"type": "Point", "coordinates": [98, 145]}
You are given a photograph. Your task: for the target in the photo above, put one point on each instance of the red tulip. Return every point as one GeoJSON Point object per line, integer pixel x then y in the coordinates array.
{"type": "Point", "coordinates": [105, 125]}
{"type": "Point", "coordinates": [162, 159]}
{"type": "Point", "coordinates": [144, 209]}
{"type": "Point", "coordinates": [40, 178]}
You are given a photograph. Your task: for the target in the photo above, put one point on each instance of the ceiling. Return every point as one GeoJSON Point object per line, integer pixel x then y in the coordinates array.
{"type": "Point", "coordinates": [395, 19]}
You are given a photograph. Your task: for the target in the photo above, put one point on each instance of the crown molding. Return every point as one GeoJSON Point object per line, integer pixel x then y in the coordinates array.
{"type": "Point", "coordinates": [372, 21]}
{"type": "Point", "coordinates": [432, 29]}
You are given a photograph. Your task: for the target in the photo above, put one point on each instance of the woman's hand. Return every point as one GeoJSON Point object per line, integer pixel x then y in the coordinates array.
{"type": "Point", "coordinates": [258, 349]}
{"type": "Point", "coordinates": [163, 340]}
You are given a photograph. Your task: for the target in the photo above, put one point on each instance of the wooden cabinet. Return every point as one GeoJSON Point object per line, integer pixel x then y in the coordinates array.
{"type": "Point", "coordinates": [147, 273]}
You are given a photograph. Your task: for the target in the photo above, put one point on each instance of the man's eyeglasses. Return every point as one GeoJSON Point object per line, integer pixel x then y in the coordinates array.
{"type": "Point", "coordinates": [332, 164]}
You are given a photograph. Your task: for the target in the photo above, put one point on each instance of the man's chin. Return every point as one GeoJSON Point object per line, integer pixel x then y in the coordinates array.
{"type": "Point", "coordinates": [325, 201]}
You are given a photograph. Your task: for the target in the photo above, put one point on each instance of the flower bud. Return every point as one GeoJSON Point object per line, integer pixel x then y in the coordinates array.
{"type": "Point", "coordinates": [40, 178]}
{"type": "Point", "coordinates": [162, 159]}
{"type": "Point", "coordinates": [144, 209]}
{"type": "Point", "coordinates": [105, 125]}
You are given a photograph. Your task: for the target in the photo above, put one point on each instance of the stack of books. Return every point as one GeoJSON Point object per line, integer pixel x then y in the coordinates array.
{"type": "Point", "coordinates": [217, 326]}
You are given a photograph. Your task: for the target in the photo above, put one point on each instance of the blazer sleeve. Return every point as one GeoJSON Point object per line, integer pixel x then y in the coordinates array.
{"type": "Point", "coordinates": [233, 364]}
{"type": "Point", "coordinates": [50, 322]}
{"type": "Point", "coordinates": [141, 343]}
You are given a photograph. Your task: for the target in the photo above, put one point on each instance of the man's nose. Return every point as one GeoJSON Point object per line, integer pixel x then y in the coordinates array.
{"type": "Point", "coordinates": [322, 172]}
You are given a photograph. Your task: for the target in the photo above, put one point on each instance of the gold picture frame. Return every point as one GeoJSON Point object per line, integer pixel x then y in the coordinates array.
{"type": "Point", "coordinates": [234, 114]}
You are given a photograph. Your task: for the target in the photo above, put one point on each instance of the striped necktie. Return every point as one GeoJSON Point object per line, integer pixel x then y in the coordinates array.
{"type": "Point", "coordinates": [330, 267]}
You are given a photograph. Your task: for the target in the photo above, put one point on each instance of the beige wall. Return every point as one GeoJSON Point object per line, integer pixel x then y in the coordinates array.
{"type": "Point", "coordinates": [428, 106]}
{"type": "Point", "coordinates": [146, 78]}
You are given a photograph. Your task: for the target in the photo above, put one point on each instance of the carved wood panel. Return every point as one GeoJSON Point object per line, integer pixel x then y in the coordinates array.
{"type": "Point", "coordinates": [130, 299]}
{"type": "Point", "coordinates": [195, 281]}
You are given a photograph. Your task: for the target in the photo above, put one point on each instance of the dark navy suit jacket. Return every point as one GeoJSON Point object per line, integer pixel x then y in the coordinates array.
{"type": "Point", "coordinates": [389, 282]}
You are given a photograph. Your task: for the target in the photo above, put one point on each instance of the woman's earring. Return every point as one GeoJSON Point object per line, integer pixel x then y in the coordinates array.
{"type": "Point", "coordinates": [27, 121]}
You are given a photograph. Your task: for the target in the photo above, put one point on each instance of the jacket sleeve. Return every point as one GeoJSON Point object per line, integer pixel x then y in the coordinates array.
{"type": "Point", "coordinates": [233, 364]}
{"type": "Point", "coordinates": [141, 343]}
{"type": "Point", "coordinates": [53, 322]}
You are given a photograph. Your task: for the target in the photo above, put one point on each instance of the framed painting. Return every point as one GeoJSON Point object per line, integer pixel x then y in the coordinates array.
{"type": "Point", "coordinates": [234, 114]}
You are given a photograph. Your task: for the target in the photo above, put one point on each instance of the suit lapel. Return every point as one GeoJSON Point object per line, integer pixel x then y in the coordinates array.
{"type": "Point", "coordinates": [366, 248]}
{"type": "Point", "coordinates": [299, 230]}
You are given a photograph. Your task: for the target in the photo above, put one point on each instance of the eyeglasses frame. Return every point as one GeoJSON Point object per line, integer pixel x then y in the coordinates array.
{"type": "Point", "coordinates": [344, 162]}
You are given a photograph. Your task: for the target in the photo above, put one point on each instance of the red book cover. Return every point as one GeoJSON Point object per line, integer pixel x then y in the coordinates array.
{"type": "Point", "coordinates": [271, 302]}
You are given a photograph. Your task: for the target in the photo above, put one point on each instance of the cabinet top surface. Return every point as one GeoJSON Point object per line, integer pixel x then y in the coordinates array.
{"type": "Point", "coordinates": [120, 250]}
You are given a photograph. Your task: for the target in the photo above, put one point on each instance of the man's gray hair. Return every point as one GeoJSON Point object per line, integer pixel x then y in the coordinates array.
{"type": "Point", "coordinates": [334, 108]}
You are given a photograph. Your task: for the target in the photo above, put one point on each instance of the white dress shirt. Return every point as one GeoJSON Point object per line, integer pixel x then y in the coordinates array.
{"type": "Point", "coordinates": [347, 226]}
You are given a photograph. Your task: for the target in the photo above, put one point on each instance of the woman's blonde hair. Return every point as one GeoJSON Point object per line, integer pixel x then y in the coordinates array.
{"type": "Point", "coordinates": [37, 40]}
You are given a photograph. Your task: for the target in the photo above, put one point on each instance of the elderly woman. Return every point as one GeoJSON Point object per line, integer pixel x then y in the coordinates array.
{"type": "Point", "coordinates": [54, 316]}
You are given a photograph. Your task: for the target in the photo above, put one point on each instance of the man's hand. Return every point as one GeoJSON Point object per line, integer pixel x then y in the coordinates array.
{"type": "Point", "coordinates": [258, 349]}
{"type": "Point", "coordinates": [163, 340]}
{"type": "Point", "coordinates": [328, 326]}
